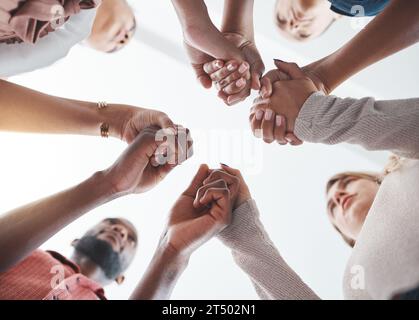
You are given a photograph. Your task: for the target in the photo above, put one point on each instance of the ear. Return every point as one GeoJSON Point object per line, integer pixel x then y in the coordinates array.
{"type": "Point", "coordinates": [120, 279]}
{"type": "Point", "coordinates": [74, 242]}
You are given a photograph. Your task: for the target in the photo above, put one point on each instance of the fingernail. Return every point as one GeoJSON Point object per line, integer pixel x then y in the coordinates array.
{"type": "Point", "coordinates": [268, 114]}
{"type": "Point", "coordinates": [258, 133]}
{"type": "Point", "coordinates": [278, 121]}
{"type": "Point", "coordinates": [231, 67]}
{"type": "Point", "coordinates": [240, 83]}
{"type": "Point", "coordinates": [259, 115]}
{"type": "Point", "coordinates": [223, 164]}
{"type": "Point", "coordinates": [243, 67]}
{"type": "Point", "coordinates": [288, 140]}
{"type": "Point", "coordinates": [278, 60]}
{"type": "Point", "coordinates": [218, 64]}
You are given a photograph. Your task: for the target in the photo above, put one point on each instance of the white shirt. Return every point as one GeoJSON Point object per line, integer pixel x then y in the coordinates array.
{"type": "Point", "coordinates": [19, 58]}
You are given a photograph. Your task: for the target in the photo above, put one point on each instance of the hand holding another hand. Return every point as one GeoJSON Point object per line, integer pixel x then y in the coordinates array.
{"type": "Point", "coordinates": [234, 80]}
{"type": "Point", "coordinates": [149, 159]}
{"type": "Point", "coordinates": [205, 208]}
{"type": "Point", "coordinates": [273, 115]}
{"type": "Point", "coordinates": [200, 213]}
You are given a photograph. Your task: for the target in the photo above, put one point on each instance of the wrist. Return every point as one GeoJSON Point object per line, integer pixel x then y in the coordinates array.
{"type": "Point", "coordinates": [238, 18]}
{"type": "Point", "coordinates": [100, 187]}
{"type": "Point", "coordinates": [326, 73]}
{"type": "Point", "coordinates": [103, 184]}
{"type": "Point", "coordinates": [175, 260]}
{"type": "Point", "coordinates": [116, 117]}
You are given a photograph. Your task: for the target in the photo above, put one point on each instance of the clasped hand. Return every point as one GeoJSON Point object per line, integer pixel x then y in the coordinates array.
{"type": "Point", "coordinates": [205, 208]}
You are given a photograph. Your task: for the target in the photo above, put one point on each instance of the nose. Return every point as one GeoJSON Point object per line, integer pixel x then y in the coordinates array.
{"type": "Point", "coordinates": [121, 230]}
{"type": "Point", "coordinates": [339, 195]}
{"type": "Point", "coordinates": [293, 24]}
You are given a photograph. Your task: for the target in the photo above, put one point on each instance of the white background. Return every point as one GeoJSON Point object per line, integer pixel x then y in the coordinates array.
{"type": "Point", "coordinates": [287, 183]}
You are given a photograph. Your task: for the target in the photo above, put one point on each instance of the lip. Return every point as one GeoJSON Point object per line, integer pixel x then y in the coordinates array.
{"type": "Point", "coordinates": [347, 202]}
{"type": "Point", "coordinates": [115, 239]}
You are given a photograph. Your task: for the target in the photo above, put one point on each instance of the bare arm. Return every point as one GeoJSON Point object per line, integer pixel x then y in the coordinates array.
{"type": "Point", "coordinates": [199, 214]}
{"type": "Point", "coordinates": [395, 29]}
{"type": "Point", "coordinates": [24, 229]}
{"type": "Point", "coordinates": [26, 110]}
{"type": "Point", "coordinates": [161, 276]}
{"type": "Point", "coordinates": [201, 33]}
{"type": "Point", "coordinates": [238, 18]}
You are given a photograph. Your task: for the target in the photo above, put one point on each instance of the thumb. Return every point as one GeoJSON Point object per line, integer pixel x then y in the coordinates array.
{"type": "Point", "coordinates": [292, 69]}
{"type": "Point", "coordinates": [160, 119]}
{"type": "Point", "coordinates": [257, 70]}
{"type": "Point", "coordinates": [197, 181]}
{"type": "Point", "coordinates": [203, 78]}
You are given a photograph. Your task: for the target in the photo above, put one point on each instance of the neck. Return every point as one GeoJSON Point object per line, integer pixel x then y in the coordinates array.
{"type": "Point", "coordinates": [89, 269]}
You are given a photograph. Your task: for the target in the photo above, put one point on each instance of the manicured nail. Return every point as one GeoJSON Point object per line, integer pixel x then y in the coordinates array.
{"type": "Point", "coordinates": [258, 133]}
{"type": "Point", "coordinates": [259, 115]}
{"type": "Point", "coordinates": [279, 60]}
{"type": "Point", "coordinates": [278, 121]}
{"type": "Point", "coordinates": [223, 164]}
{"type": "Point", "coordinates": [243, 67]}
{"type": "Point", "coordinates": [240, 83]}
{"type": "Point", "coordinates": [288, 140]}
{"type": "Point", "coordinates": [268, 114]}
{"type": "Point", "coordinates": [231, 67]}
{"type": "Point", "coordinates": [219, 64]}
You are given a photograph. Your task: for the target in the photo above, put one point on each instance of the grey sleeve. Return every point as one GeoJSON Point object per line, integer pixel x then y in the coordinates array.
{"type": "Point", "coordinates": [257, 256]}
{"type": "Point", "coordinates": [391, 125]}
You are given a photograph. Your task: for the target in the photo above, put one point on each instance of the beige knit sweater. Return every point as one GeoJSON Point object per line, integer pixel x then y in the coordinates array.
{"type": "Point", "coordinates": [385, 260]}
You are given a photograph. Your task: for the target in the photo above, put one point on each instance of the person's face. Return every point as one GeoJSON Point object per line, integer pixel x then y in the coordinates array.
{"type": "Point", "coordinates": [348, 203]}
{"type": "Point", "coordinates": [114, 26]}
{"type": "Point", "coordinates": [303, 20]}
{"type": "Point", "coordinates": [111, 244]}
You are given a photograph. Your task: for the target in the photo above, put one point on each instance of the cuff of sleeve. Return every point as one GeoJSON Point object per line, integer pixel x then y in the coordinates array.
{"type": "Point", "coordinates": [304, 123]}
{"type": "Point", "coordinates": [243, 222]}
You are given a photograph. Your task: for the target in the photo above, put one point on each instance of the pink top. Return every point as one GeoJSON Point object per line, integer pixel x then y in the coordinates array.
{"type": "Point", "coordinates": [47, 276]}
{"type": "Point", "coordinates": [29, 20]}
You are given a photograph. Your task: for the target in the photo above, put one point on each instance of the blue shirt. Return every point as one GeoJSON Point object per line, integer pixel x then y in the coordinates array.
{"type": "Point", "coordinates": [359, 8]}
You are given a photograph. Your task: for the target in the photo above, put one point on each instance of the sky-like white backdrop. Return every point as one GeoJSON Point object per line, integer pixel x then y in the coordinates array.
{"type": "Point", "coordinates": [287, 183]}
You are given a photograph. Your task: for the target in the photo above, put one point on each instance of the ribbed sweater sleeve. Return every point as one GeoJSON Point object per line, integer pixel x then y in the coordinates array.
{"type": "Point", "coordinates": [257, 256]}
{"type": "Point", "coordinates": [391, 125]}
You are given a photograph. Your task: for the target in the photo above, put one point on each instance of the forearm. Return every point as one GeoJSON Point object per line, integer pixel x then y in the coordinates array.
{"type": "Point", "coordinates": [26, 110]}
{"type": "Point", "coordinates": [393, 30]}
{"type": "Point", "coordinates": [238, 18]}
{"type": "Point", "coordinates": [200, 32]}
{"type": "Point", "coordinates": [161, 276]}
{"type": "Point", "coordinates": [376, 125]}
{"type": "Point", "coordinates": [191, 13]}
{"type": "Point", "coordinates": [24, 229]}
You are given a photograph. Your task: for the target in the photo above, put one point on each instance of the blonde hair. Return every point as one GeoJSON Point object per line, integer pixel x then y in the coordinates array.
{"type": "Point", "coordinates": [394, 163]}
